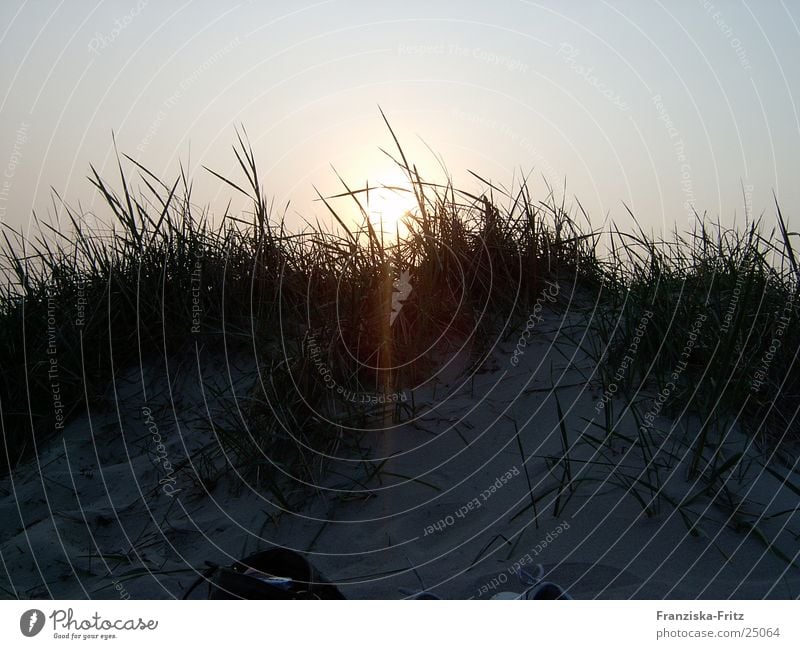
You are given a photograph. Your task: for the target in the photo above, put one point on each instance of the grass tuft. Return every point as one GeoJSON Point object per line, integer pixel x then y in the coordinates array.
{"type": "Point", "coordinates": [79, 305]}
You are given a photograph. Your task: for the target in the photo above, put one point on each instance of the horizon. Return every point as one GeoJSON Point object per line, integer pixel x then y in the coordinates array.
{"type": "Point", "coordinates": [662, 109]}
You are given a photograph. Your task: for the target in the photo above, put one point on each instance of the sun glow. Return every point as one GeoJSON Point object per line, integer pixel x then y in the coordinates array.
{"type": "Point", "coordinates": [387, 205]}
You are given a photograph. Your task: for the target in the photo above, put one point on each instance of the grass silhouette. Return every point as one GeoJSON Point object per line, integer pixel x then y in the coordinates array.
{"type": "Point", "coordinates": [78, 308]}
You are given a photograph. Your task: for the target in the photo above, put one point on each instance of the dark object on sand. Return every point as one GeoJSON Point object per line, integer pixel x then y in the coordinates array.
{"type": "Point", "coordinates": [271, 574]}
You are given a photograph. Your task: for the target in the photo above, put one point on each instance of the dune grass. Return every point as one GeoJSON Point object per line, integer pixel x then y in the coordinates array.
{"type": "Point", "coordinates": [695, 316]}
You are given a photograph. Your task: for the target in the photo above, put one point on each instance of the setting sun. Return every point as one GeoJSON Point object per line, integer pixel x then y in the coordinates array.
{"type": "Point", "coordinates": [387, 208]}
{"type": "Point", "coordinates": [388, 203]}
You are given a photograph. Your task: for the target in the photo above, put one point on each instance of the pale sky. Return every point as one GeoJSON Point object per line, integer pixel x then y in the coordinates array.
{"type": "Point", "coordinates": [656, 104]}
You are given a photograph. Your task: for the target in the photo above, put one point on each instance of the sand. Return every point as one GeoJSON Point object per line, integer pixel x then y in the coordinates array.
{"type": "Point", "coordinates": [105, 512]}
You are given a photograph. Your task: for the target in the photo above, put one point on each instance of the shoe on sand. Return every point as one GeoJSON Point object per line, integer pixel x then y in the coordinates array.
{"type": "Point", "coordinates": [535, 587]}
{"type": "Point", "coordinates": [546, 590]}
{"type": "Point", "coordinates": [272, 574]}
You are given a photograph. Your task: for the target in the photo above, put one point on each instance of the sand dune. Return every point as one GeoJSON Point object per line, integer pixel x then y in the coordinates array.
{"type": "Point", "coordinates": [106, 512]}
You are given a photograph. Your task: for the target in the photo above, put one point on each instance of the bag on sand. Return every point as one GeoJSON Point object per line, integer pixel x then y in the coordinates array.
{"type": "Point", "coordinates": [271, 574]}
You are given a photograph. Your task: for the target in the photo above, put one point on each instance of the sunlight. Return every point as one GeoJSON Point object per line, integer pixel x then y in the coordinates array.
{"type": "Point", "coordinates": [388, 203]}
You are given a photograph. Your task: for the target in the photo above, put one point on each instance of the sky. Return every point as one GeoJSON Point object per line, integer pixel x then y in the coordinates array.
{"type": "Point", "coordinates": [663, 107]}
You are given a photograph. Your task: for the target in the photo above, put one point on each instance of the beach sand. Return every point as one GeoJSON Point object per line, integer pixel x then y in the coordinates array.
{"type": "Point", "coordinates": [105, 512]}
